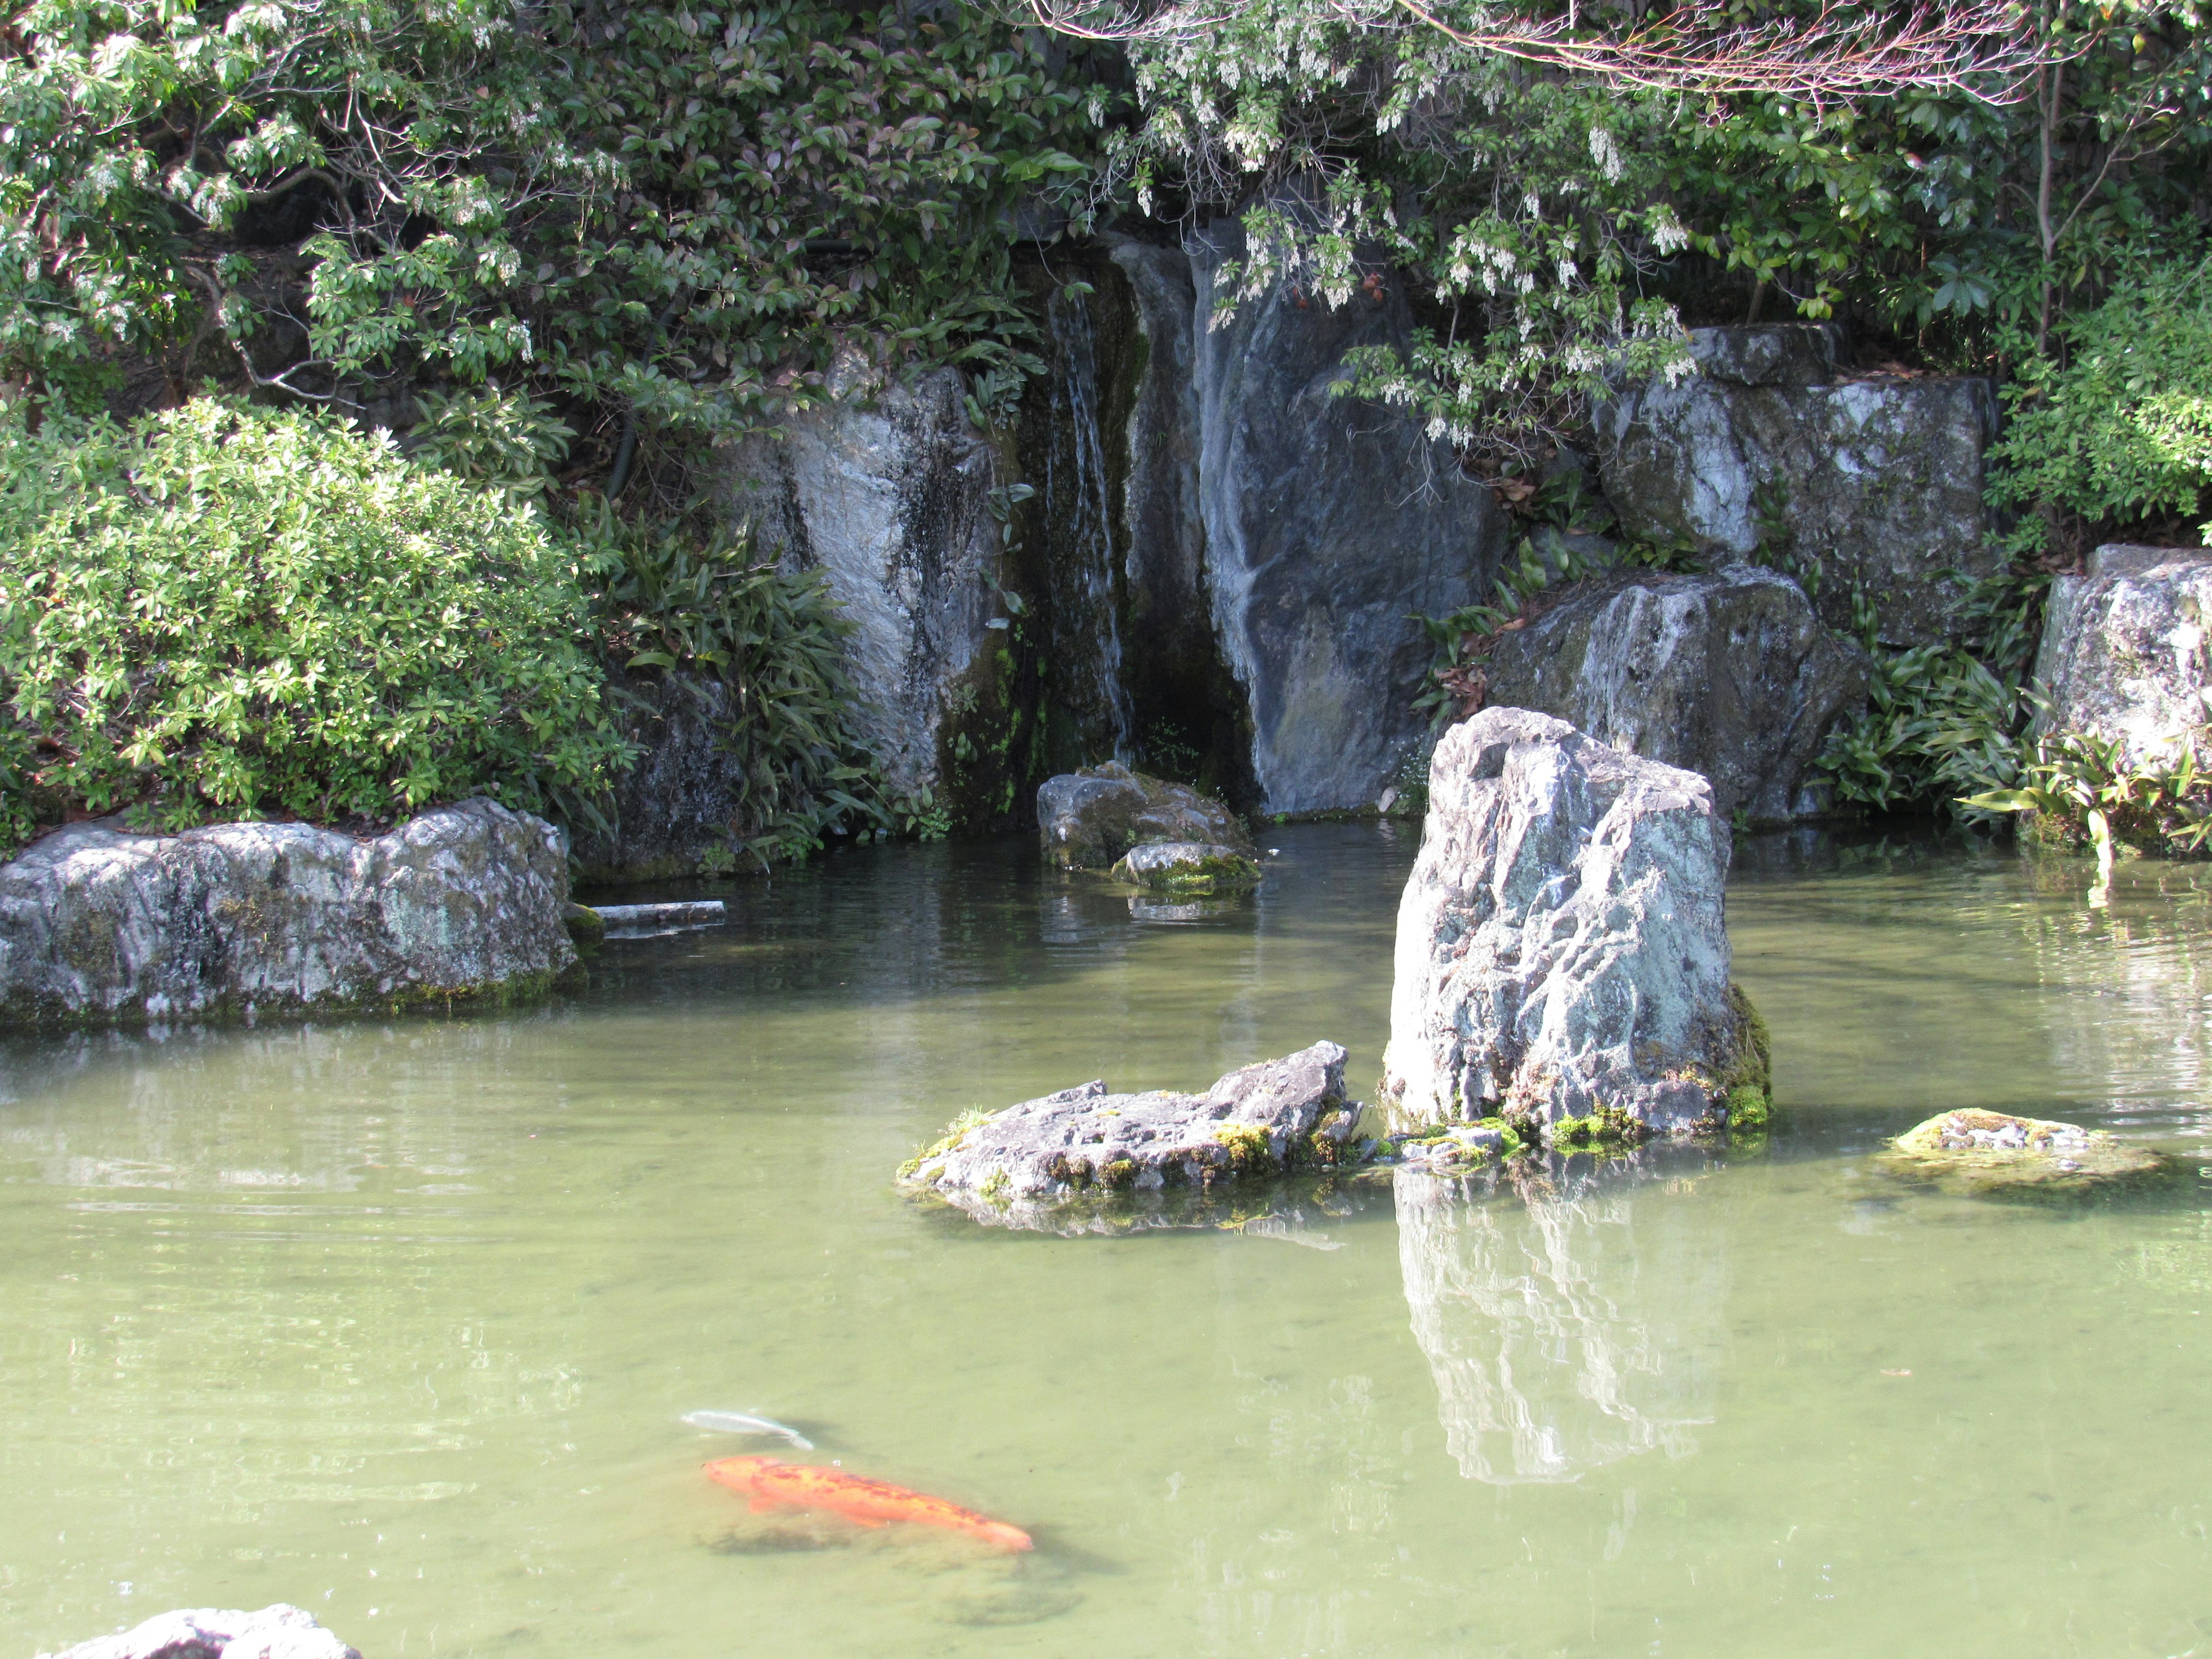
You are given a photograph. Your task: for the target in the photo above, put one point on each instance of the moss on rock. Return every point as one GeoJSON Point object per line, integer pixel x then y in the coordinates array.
{"type": "Point", "coordinates": [1984, 1154]}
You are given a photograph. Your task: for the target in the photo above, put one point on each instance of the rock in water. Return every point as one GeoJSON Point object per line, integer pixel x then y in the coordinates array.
{"type": "Point", "coordinates": [1088, 819]}
{"type": "Point", "coordinates": [1728, 674]}
{"type": "Point", "coordinates": [1561, 947]}
{"type": "Point", "coordinates": [1996, 1155]}
{"type": "Point", "coordinates": [274, 1632]}
{"type": "Point", "coordinates": [1188, 866]}
{"type": "Point", "coordinates": [2124, 651]}
{"type": "Point", "coordinates": [1018, 1165]}
{"type": "Point", "coordinates": [101, 927]}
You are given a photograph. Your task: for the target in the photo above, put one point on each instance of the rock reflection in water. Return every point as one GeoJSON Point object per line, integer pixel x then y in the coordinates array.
{"type": "Point", "coordinates": [1571, 1317]}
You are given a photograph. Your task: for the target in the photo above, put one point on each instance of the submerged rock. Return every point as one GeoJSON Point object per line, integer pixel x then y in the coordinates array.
{"type": "Point", "coordinates": [273, 1633]}
{"type": "Point", "coordinates": [98, 926]}
{"type": "Point", "coordinates": [1997, 1155]}
{"type": "Point", "coordinates": [1021, 1165]}
{"type": "Point", "coordinates": [1728, 674]}
{"type": "Point", "coordinates": [1774, 445]}
{"type": "Point", "coordinates": [2124, 648]}
{"type": "Point", "coordinates": [1087, 820]}
{"type": "Point", "coordinates": [1188, 866]}
{"type": "Point", "coordinates": [1562, 954]}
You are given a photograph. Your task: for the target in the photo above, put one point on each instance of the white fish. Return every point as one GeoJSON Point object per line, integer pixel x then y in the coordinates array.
{"type": "Point", "coordinates": [743, 1423]}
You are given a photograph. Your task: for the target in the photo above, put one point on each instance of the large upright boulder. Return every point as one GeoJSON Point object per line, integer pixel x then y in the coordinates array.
{"type": "Point", "coordinates": [1728, 674]}
{"type": "Point", "coordinates": [1774, 442]}
{"type": "Point", "coordinates": [887, 489]}
{"type": "Point", "coordinates": [98, 926]}
{"type": "Point", "coordinates": [676, 811]}
{"type": "Point", "coordinates": [1562, 953]}
{"type": "Point", "coordinates": [2124, 651]}
{"type": "Point", "coordinates": [1331, 525]}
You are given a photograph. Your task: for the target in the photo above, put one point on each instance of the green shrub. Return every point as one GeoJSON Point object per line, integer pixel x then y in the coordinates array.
{"type": "Point", "coordinates": [2121, 432]}
{"type": "Point", "coordinates": [224, 612]}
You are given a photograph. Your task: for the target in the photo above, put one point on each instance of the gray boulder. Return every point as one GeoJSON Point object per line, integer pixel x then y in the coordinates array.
{"type": "Point", "coordinates": [1188, 866]}
{"type": "Point", "coordinates": [1018, 1165]}
{"type": "Point", "coordinates": [1331, 525]}
{"type": "Point", "coordinates": [1877, 477]}
{"type": "Point", "coordinates": [98, 926]}
{"type": "Point", "coordinates": [1087, 820]}
{"type": "Point", "coordinates": [887, 489]}
{"type": "Point", "coordinates": [273, 1633]}
{"type": "Point", "coordinates": [1562, 953]}
{"type": "Point", "coordinates": [2124, 649]}
{"type": "Point", "coordinates": [1730, 675]}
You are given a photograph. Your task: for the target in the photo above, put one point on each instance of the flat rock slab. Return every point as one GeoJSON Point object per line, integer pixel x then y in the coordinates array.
{"type": "Point", "coordinates": [1019, 1166]}
{"type": "Point", "coordinates": [273, 1633]}
{"type": "Point", "coordinates": [1997, 1155]}
{"type": "Point", "coordinates": [1087, 820]}
{"type": "Point", "coordinates": [99, 925]}
{"type": "Point", "coordinates": [1188, 866]}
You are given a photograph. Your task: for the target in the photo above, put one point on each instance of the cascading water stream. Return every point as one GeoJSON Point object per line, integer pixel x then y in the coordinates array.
{"type": "Point", "coordinates": [1086, 632]}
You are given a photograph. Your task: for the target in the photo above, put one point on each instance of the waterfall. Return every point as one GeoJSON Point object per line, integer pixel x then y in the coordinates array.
{"type": "Point", "coordinates": [1078, 517]}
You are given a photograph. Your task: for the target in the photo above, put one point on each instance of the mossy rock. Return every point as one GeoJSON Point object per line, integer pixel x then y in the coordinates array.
{"type": "Point", "coordinates": [1184, 867]}
{"type": "Point", "coordinates": [1984, 1154]}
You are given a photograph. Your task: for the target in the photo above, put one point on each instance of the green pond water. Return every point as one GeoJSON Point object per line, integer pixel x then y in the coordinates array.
{"type": "Point", "coordinates": [396, 1321]}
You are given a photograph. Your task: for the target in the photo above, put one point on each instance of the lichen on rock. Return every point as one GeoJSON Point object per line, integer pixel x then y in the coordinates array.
{"type": "Point", "coordinates": [1562, 950]}
{"type": "Point", "coordinates": [1984, 1154]}
{"type": "Point", "coordinates": [1024, 1166]}
{"type": "Point", "coordinates": [99, 925]}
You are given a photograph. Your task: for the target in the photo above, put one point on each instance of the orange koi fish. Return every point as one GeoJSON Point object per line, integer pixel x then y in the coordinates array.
{"type": "Point", "coordinates": [771, 1484]}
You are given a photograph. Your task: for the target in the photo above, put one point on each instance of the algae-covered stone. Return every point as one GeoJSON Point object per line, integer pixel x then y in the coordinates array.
{"type": "Point", "coordinates": [273, 1633]}
{"type": "Point", "coordinates": [98, 926]}
{"type": "Point", "coordinates": [1994, 1154]}
{"type": "Point", "coordinates": [1087, 820]}
{"type": "Point", "coordinates": [1188, 866]}
{"type": "Point", "coordinates": [1020, 1165]}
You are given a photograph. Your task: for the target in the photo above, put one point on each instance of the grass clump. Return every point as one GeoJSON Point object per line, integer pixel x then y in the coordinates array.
{"type": "Point", "coordinates": [955, 1132]}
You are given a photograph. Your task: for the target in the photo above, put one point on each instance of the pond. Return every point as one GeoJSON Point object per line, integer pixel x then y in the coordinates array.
{"type": "Point", "coordinates": [396, 1321]}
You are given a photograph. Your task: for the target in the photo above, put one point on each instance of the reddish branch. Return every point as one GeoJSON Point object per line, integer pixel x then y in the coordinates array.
{"type": "Point", "coordinates": [1985, 48]}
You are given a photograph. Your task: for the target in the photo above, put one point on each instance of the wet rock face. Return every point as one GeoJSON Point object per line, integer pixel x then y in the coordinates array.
{"type": "Point", "coordinates": [100, 926]}
{"type": "Point", "coordinates": [1730, 675]}
{"type": "Point", "coordinates": [274, 1632]}
{"type": "Point", "coordinates": [887, 491]}
{"type": "Point", "coordinates": [1996, 1155]}
{"type": "Point", "coordinates": [1330, 524]}
{"type": "Point", "coordinates": [1562, 953]}
{"type": "Point", "coordinates": [2124, 647]}
{"type": "Point", "coordinates": [1087, 820]}
{"type": "Point", "coordinates": [1017, 1166]}
{"type": "Point", "coordinates": [1879, 478]}
{"type": "Point", "coordinates": [678, 806]}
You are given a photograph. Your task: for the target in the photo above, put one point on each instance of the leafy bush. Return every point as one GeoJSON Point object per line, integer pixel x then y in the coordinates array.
{"type": "Point", "coordinates": [2120, 431]}
{"type": "Point", "coordinates": [1938, 725]}
{"type": "Point", "coordinates": [2081, 786]}
{"type": "Point", "coordinates": [224, 612]}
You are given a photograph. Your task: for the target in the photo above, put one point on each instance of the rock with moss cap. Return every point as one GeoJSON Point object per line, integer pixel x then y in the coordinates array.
{"type": "Point", "coordinates": [1022, 1166]}
{"type": "Point", "coordinates": [1188, 866]}
{"type": "Point", "coordinates": [1987, 1154]}
{"type": "Point", "coordinates": [1563, 957]}
{"type": "Point", "coordinates": [280, 1631]}
{"type": "Point", "coordinates": [1087, 820]}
